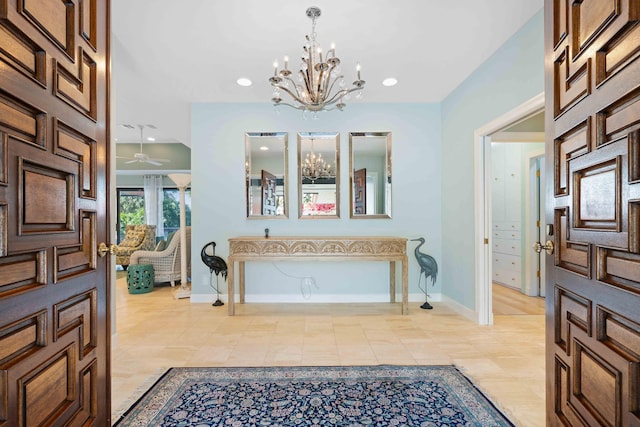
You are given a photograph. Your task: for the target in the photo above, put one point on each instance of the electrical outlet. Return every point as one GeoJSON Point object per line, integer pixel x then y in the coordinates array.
{"type": "Point", "coordinates": [310, 281]}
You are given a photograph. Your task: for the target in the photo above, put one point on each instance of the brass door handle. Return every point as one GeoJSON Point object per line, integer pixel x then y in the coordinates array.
{"type": "Point", "coordinates": [103, 249]}
{"type": "Point", "coordinates": [548, 247]}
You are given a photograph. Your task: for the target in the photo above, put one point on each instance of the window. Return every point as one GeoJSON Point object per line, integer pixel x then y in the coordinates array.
{"type": "Point", "coordinates": [131, 209]}
{"type": "Point", "coordinates": [171, 209]}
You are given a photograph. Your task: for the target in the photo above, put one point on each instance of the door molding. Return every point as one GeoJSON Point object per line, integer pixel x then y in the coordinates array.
{"type": "Point", "coordinates": [532, 204]}
{"type": "Point", "coordinates": [482, 202]}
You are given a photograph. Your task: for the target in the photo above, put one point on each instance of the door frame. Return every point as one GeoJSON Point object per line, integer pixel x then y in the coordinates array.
{"type": "Point", "coordinates": [112, 216]}
{"type": "Point", "coordinates": [482, 202]}
{"type": "Point", "coordinates": [534, 202]}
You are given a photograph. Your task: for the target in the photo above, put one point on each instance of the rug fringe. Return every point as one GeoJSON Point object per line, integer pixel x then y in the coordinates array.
{"type": "Point", "coordinates": [491, 398]}
{"type": "Point", "coordinates": [137, 394]}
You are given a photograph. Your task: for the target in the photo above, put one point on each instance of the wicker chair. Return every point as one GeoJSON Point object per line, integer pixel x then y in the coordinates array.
{"type": "Point", "coordinates": [137, 237]}
{"type": "Point", "coordinates": [166, 263]}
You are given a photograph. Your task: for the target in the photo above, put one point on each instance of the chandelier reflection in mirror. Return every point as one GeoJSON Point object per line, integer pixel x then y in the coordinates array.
{"type": "Point", "coordinates": [315, 167]}
{"type": "Point", "coordinates": [320, 82]}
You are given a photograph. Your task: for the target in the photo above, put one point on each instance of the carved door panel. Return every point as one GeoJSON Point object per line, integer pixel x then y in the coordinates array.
{"type": "Point", "coordinates": [360, 191]}
{"type": "Point", "coordinates": [54, 334]}
{"type": "Point", "coordinates": [592, 71]}
{"type": "Point", "coordinates": [269, 197]}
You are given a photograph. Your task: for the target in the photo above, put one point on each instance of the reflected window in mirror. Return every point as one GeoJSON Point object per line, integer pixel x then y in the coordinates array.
{"type": "Point", "coordinates": [266, 174]}
{"type": "Point", "coordinates": [370, 174]}
{"type": "Point", "coordinates": [318, 175]}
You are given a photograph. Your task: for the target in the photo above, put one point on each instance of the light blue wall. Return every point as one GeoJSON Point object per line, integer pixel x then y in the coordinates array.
{"type": "Point", "coordinates": [512, 76]}
{"type": "Point", "coordinates": [218, 205]}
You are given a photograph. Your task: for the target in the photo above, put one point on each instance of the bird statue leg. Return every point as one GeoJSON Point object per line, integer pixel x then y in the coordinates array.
{"type": "Point", "coordinates": [217, 302]}
{"type": "Point", "coordinates": [426, 304]}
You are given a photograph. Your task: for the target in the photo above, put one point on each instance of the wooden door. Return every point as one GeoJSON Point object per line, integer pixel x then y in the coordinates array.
{"type": "Point", "coordinates": [592, 71]}
{"type": "Point", "coordinates": [54, 317]}
{"type": "Point", "coordinates": [360, 191]}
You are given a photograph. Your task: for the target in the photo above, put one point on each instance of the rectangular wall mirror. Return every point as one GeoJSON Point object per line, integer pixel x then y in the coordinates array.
{"type": "Point", "coordinates": [370, 174]}
{"type": "Point", "coordinates": [266, 174]}
{"type": "Point", "coordinates": [318, 175]}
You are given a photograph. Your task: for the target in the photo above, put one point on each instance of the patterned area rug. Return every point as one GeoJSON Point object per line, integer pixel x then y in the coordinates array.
{"type": "Point", "coordinates": [314, 396]}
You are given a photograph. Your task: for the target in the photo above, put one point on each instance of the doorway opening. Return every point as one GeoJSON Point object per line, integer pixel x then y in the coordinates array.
{"type": "Point", "coordinates": [516, 222]}
{"type": "Point", "coordinates": [494, 132]}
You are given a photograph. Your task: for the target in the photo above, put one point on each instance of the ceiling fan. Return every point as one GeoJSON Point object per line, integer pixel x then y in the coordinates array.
{"type": "Point", "coordinates": [141, 157]}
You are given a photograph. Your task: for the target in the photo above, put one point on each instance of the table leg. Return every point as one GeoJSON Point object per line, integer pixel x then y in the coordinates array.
{"type": "Point", "coordinates": [405, 286]}
{"type": "Point", "coordinates": [231, 297]}
{"type": "Point", "coordinates": [392, 281]}
{"type": "Point", "coordinates": [241, 280]}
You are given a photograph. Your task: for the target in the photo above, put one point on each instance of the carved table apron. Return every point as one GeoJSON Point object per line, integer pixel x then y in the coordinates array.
{"type": "Point", "coordinates": [392, 249]}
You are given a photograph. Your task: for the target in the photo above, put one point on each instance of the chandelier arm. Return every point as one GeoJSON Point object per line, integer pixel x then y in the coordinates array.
{"type": "Point", "coordinates": [299, 107]}
{"type": "Point", "coordinates": [295, 86]}
{"type": "Point", "coordinates": [340, 93]}
{"type": "Point", "coordinates": [319, 91]}
{"type": "Point", "coordinates": [328, 84]}
{"type": "Point", "coordinates": [333, 83]}
{"type": "Point", "coordinates": [293, 95]}
{"type": "Point", "coordinates": [306, 78]}
{"type": "Point", "coordinates": [309, 80]}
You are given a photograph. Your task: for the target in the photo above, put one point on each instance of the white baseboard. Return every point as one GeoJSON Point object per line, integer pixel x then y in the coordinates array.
{"type": "Point", "coordinates": [315, 298]}
{"type": "Point", "coordinates": [460, 309]}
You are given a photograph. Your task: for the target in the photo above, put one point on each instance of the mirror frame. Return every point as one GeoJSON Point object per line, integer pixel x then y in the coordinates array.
{"type": "Point", "coordinates": [319, 135]}
{"type": "Point", "coordinates": [388, 175]}
{"type": "Point", "coordinates": [247, 165]}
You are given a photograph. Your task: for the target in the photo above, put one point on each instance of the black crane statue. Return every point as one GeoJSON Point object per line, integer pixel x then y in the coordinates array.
{"type": "Point", "coordinates": [428, 267]}
{"type": "Point", "coordinates": [216, 265]}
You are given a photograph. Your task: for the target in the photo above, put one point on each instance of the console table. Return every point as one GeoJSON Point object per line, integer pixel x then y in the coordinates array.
{"type": "Point", "coordinates": [391, 249]}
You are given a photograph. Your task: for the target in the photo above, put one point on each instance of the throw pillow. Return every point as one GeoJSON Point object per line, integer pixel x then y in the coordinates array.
{"type": "Point", "coordinates": [161, 246]}
{"type": "Point", "coordinates": [170, 236]}
{"type": "Point", "coordinates": [132, 239]}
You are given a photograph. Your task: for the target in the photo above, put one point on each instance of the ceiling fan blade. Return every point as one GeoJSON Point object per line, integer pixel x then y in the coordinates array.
{"type": "Point", "coordinates": [155, 159]}
{"type": "Point", "coordinates": [131, 161]}
{"type": "Point", "coordinates": [153, 162]}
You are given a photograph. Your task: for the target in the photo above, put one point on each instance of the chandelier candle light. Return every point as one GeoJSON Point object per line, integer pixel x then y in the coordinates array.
{"type": "Point", "coordinates": [317, 79]}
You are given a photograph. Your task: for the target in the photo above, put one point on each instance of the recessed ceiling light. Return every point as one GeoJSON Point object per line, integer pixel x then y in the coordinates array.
{"type": "Point", "coordinates": [243, 81]}
{"type": "Point", "coordinates": [390, 81]}
{"type": "Point", "coordinates": [264, 148]}
{"type": "Point", "coordinates": [151, 138]}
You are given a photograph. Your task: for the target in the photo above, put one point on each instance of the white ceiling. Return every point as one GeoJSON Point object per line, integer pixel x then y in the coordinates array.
{"type": "Point", "coordinates": [167, 54]}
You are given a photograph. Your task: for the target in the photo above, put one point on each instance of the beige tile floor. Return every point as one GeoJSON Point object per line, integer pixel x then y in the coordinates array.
{"type": "Point", "coordinates": [156, 332]}
{"type": "Point", "coordinates": [508, 301]}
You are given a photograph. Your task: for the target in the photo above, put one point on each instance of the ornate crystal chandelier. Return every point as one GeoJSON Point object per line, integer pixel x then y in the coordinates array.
{"type": "Point", "coordinates": [315, 167]}
{"type": "Point", "coordinates": [320, 82]}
